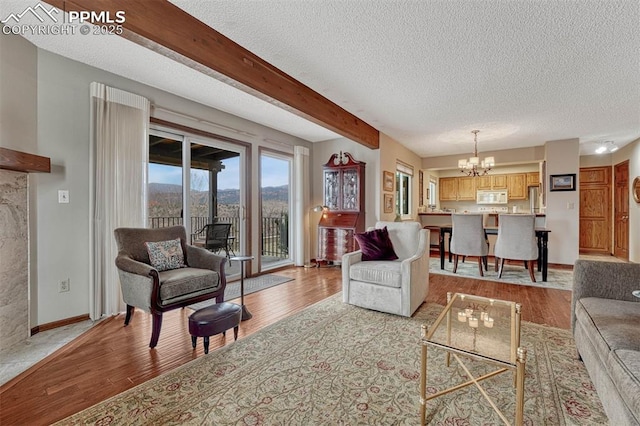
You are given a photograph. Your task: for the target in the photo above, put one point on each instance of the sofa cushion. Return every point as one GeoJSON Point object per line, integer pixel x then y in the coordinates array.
{"type": "Point", "coordinates": [376, 245]}
{"type": "Point", "coordinates": [617, 321]}
{"type": "Point", "coordinates": [382, 272]}
{"type": "Point", "coordinates": [624, 369]}
{"type": "Point", "coordinates": [613, 328]}
{"type": "Point", "coordinates": [165, 255]}
{"type": "Point", "coordinates": [185, 281]}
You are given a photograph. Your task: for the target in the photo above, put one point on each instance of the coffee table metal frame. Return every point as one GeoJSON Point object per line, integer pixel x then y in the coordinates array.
{"type": "Point", "coordinates": [516, 362]}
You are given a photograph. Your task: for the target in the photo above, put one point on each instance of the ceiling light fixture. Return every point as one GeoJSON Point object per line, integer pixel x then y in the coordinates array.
{"type": "Point", "coordinates": [605, 146]}
{"type": "Point", "coordinates": [470, 166]}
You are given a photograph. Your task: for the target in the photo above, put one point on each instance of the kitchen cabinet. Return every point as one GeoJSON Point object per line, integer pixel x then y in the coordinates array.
{"type": "Point", "coordinates": [483, 182]}
{"type": "Point", "coordinates": [491, 182]}
{"type": "Point", "coordinates": [457, 189]}
{"type": "Point", "coordinates": [466, 189]}
{"type": "Point", "coordinates": [533, 179]}
{"type": "Point", "coordinates": [343, 193]}
{"type": "Point", "coordinates": [499, 181]}
{"type": "Point", "coordinates": [448, 189]}
{"type": "Point", "coordinates": [517, 186]}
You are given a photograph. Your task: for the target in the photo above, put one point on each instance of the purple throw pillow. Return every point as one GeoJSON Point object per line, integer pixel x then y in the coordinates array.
{"type": "Point", "coordinates": [376, 245]}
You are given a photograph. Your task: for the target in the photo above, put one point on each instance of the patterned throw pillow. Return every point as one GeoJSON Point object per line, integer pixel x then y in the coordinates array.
{"type": "Point", "coordinates": [376, 245]}
{"type": "Point", "coordinates": [165, 255]}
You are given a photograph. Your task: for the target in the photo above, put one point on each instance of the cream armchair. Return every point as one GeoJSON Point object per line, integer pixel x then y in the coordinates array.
{"type": "Point", "coordinates": [394, 286]}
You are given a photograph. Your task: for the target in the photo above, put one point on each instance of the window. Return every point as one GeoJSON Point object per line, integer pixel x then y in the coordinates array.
{"type": "Point", "coordinates": [404, 175]}
{"type": "Point", "coordinates": [432, 193]}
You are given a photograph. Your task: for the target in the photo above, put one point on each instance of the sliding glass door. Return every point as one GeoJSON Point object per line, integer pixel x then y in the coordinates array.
{"type": "Point", "coordinates": [214, 173]}
{"type": "Point", "coordinates": [275, 210]}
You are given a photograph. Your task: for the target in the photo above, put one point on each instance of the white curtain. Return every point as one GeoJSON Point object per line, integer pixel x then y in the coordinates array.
{"type": "Point", "coordinates": [302, 189]}
{"type": "Point", "coordinates": [119, 131]}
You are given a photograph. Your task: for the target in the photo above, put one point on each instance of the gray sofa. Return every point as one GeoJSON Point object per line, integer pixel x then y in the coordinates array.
{"type": "Point", "coordinates": [606, 328]}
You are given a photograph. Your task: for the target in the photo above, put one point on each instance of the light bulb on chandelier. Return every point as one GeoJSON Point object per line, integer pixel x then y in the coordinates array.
{"type": "Point", "coordinates": [473, 166]}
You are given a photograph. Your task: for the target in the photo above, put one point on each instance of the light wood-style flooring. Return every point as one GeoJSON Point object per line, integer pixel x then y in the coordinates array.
{"type": "Point", "coordinates": [111, 358]}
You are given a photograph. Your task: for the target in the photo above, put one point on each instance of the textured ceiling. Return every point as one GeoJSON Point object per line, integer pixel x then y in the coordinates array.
{"type": "Point", "coordinates": [424, 72]}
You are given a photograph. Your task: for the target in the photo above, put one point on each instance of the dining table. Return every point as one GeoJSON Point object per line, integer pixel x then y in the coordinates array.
{"type": "Point", "coordinates": [542, 237]}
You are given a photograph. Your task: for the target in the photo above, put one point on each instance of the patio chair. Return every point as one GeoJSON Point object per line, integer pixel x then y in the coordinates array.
{"type": "Point", "coordinates": [216, 237]}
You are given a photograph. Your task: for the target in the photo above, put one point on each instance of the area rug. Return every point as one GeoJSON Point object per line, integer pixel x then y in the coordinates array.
{"type": "Point", "coordinates": [251, 285]}
{"type": "Point", "coordinates": [512, 274]}
{"type": "Point", "coordinates": [337, 364]}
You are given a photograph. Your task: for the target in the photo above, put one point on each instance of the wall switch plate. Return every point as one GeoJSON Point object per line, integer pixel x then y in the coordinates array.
{"type": "Point", "coordinates": [63, 196]}
{"type": "Point", "coordinates": [64, 286]}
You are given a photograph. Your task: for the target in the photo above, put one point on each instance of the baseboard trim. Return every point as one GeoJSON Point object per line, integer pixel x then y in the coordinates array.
{"type": "Point", "coordinates": [56, 324]}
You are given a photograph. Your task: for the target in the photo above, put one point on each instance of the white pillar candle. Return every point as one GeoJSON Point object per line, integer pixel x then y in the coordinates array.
{"type": "Point", "coordinates": [473, 322]}
{"type": "Point", "coordinates": [483, 316]}
{"type": "Point", "coordinates": [462, 317]}
{"type": "Point", "coordinates": [468, 312]}
{"type": "Point", "coordinates": [488, 322]}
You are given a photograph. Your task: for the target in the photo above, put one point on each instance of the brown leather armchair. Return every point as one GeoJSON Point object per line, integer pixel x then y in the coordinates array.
{"type": "Point", "coordinates": [144, 287]}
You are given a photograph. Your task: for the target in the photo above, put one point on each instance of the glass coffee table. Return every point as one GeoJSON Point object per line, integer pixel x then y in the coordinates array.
{"type": "Point", "coordinates": [482, 329]}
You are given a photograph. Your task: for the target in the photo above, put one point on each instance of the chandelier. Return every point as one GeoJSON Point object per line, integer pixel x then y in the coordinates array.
{"type": "Point", "coordinates": [473, 166]}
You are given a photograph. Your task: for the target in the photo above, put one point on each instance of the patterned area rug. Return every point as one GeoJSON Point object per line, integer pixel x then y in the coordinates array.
{"type": "Point", "coordinates": [336, 364]}
{"type": "Point", "coordinates": [251, 285]}
{"type": "Point", "coordinates": [512, 274]}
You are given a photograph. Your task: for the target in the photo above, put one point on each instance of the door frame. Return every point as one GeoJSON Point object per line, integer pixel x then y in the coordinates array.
{"type": "Point", "coordinates": [621, 217]}
{"type": "Point", "coordinates": [291, 248]}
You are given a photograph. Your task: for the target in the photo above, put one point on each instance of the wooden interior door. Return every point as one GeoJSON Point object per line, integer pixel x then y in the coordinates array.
{"type": "Point", "coordinates": [595, 210]}
{"type": "Point", "coordinates": [621, 210]}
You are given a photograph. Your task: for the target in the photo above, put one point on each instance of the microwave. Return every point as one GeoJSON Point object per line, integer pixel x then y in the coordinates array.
{"type": "Point", "coordinates": [491, 197]}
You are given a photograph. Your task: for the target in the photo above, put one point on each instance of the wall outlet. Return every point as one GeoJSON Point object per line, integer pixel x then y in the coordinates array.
{"type": "Point", "coordinates": [64, 285]}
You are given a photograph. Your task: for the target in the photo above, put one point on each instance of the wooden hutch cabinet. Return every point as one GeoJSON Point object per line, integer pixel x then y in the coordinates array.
{"type": "Point", "coordinates": [343, 194]}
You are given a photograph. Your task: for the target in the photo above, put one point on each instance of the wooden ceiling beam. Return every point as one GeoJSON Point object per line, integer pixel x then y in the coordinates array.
{"type": "Point", "coordinates": [167, 29]}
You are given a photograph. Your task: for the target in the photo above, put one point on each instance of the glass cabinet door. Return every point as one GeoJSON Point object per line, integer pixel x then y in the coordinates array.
{"type": "Point", "coordinates": [332, 189]}
{"type": "Point", "coordinates": [350, 192]}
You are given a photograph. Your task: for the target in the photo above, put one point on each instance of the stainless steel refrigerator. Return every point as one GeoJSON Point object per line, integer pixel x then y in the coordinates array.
{"type": "Point", "coordinates": [534, 199]}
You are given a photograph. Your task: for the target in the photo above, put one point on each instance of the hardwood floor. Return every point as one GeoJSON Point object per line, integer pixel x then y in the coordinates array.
{"type": "Point", "coordinates": [110, 358]}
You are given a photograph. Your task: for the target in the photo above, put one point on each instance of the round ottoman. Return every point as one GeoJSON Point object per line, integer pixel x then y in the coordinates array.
{"type": "Point", "coordinates": [212, 320]}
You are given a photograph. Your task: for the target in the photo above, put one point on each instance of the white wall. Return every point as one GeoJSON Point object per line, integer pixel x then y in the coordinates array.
{"type": "Point", "coordinates": [391, 151]}
{"type": "Point", "coordinates": [63, 135]}
{"type": "Point", "coordinates": [503, 157]}
{"type": "Point", "coordinates": [562, 208]}
{"type": "Point", "coordinates": [376, 161]}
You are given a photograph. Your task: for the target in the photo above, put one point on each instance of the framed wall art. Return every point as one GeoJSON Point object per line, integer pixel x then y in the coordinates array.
{"type": "Point", "coordinates": [387, 181]}
{"type": "Point", "coordinates": [388, 203]}
{"type": "Point", "coordinates": [562, 182]}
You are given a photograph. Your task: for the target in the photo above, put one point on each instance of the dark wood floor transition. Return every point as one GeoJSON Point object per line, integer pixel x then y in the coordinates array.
{"type": "Point", "coordinates": [110, 358]}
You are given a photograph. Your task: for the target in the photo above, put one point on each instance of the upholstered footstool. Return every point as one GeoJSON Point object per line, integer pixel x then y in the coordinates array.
{"type": "Point", "coordinates": [212, 320]}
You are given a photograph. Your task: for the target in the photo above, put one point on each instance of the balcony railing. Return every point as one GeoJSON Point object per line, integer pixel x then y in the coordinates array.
{"type": "Point", "coordinates": [274, 238]}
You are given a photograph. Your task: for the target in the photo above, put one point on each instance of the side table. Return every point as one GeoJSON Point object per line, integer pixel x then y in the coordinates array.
{"type": "Point", "coordinates": [243, 259]}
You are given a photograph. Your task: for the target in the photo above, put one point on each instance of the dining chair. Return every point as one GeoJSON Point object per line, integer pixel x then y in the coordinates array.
{"type": "Point", "coordinates": [517, 240]}
{"type": "Point", "coordinates": [468, 239]}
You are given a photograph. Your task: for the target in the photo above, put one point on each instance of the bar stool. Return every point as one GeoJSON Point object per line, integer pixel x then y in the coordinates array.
{"type": "Point", "coordinates": [434, 229]}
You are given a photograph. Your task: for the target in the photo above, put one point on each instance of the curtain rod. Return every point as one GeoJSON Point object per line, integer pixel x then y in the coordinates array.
{"type": "Point", "coordinates": [200, 120]}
